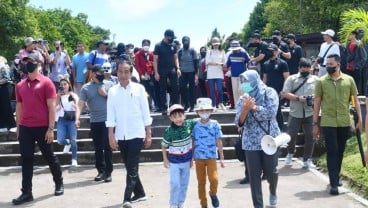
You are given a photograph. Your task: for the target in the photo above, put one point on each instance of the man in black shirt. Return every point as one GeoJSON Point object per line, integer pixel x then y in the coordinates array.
{"type": "Point", "coordinates": [276, 72]}
{"type": "Point", "coordinates": [296, 54]}
{"type": "Point", "coordinates": [284, 52]}
{"type": "Point", "coordinates": [260, 53]}
{"type": "Point", "coordinates": [166, 66]}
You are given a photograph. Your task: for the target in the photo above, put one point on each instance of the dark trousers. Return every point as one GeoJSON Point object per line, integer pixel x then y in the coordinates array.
{"type": "Point", "coordinates": [172, 77]}
{"type": "Point", "coordinates": [187, 95]}
{"type": "Point", "coordinates": [202, 88]}
{"type": "Point", "coordinates": [279, 117]}
{"type": "Point", "coordinates": [28, 136]}
{"type": "Point", "coordinates": [335, 140]}
{"type": "Point", "coordinates": [150, 89]}
{"type": "Point", "coordinates": [6, 113]}
{"type": "Point", "coordinates": [258, 161]}
{"type": "Point", "coordinates": [357, 76]}
{"type": "Point", "coordinates": [103, 153]}
{"type": "Point", "coordinates": [130, 151]}
{"type": "Point", "coordinates": [245, 168]}
{"type": "Point", "coordinates": [294, 125]}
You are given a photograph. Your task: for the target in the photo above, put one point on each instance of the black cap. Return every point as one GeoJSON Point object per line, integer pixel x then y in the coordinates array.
{"type": "Point", "coordinates": [32, 57]}
{"type": "Point", "coordinates": [185, 38]}
{"type": "Point", "coordinates": [146, 42]}
{"type": "Point", "coordinates": [97, 68]}
{"type": "Point", "coordinates": [276, 32]}
{"type": "Point", "coordinates": [169, 33]}
{"type": "Point", "coordinates": [291, 36]}
{"type": "Point", "coordinates": [273, 47]}
{"type": "Point", "coordinates": [256, 35]}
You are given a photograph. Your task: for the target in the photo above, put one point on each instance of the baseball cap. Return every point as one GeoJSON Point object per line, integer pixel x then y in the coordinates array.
{"type": "Point", "coordinates": [235, 45]}
{"type": "Point", "coordinates": [328, 32]}
{"type": "Point", "coordinates": [256, 35]}
{"type": "Point", "coordinates": [215, 41]}
{"type": "Point", "coordinates": [276, 32]}
{"type": "Point", "coordinates": [32, 57]}
{"type": "Point", "coordinates": [170, 33]}
{"type": "Point", "coordinates": [28, 41]}
{"type": "Point", "coordinates": [97, 68]}
{"type": "Point", "coordinates": [291, 36]}
{"type": "Point", "coordinates": [175, 107]}
{"type": "Point", "coordinates": [273, 47]}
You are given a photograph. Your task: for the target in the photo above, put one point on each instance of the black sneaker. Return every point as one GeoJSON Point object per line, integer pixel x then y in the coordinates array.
{"type": "Point", "coordinates": [23, 198]}
{"type": "Point", "coordinates": [59, 189]}
{"type": "Point", "coordinates": [137, 198]}
{"type": "Point", "coordinates": [215, 201]}
{"type": "Point", "coordinates": [100, 177]}
{"type": "Point", "coordinates": [108, 178]}
{"type": "Point", "coordinates": [334, 190]}
{"type": "Point", "coordinates": [244, 181]}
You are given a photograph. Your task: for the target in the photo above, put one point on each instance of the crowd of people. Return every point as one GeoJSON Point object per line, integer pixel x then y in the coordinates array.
{"type": "Point", "coordinates": [173, 80]}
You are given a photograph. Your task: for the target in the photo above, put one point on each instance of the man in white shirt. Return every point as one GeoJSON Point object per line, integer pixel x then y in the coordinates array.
{"type": "Point", "coordinates": [327, 48]}
{"type": "Point", "coordinates": [128, 112]}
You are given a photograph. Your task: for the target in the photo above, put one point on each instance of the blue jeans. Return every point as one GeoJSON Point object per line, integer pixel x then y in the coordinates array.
{"type": "Point", "coordinates": [219, 83]}
{"type": "Point", "coordinates": [179, 181]}
{"type": "Point", "coordinates": [67, 128]}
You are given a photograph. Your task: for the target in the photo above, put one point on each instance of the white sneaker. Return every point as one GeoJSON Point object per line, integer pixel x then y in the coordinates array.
{"type": "Point", "coordinates": [74, 163]}
{"type": "Point", "coordinates": [127, 204]}
{"type": "Point", "coordinates": [289, 159]}
{"type": "Point", "coordinates": [309, 164]}
{"type": "Point", "coordinates": [13, 130]}
{"type": "Point", "coordinates": [67, 148]}
{"type": "Point", "coordinates": [222, 107]}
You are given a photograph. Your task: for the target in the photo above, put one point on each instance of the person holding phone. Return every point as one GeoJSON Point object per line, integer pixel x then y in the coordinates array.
{"type": "Point", "coordinates": [60, 62]}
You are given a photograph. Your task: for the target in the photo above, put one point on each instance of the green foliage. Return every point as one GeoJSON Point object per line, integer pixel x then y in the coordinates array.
{"type": "Point", "coordinates": [351, 20]}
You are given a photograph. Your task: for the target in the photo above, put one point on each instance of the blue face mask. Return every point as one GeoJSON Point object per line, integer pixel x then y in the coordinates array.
{"type": "Point", "coordinates": [246, 87]}
{"type": "Point", "coordinates": [204, 116]}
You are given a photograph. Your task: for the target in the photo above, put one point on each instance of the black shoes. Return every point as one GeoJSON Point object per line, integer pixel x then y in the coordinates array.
{"type": "Point", "coordinates": [100, 177]}
{"type": "Point", "coordinates": [244, 181]}
{"type": "Point", "coordinates": [59, 189]}
{"type": "Point", "coordinates": [108, 178]}
{"type": "Point", "coordinates": [23, 198]}
{"type": "Point", "coordinates": [334, 190]}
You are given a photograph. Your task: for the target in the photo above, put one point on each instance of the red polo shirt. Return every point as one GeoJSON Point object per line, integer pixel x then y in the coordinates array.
{"type": "Point", "coordinates": [143, 62]}
{"type": "Point", "coordinates": [33, 95]}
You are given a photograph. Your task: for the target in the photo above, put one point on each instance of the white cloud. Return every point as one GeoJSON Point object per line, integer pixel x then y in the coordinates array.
{"type": "Point", "coordinates": [129, 9]}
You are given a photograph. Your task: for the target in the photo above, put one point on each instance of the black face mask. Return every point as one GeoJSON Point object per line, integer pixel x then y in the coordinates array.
{"type": "Point", "coordinates": [203, 54]}
{"type": "Point", "coordinates": [331, 70]}
{"type": "Point", "coordinates": [275, 40]}
{"type": "Point", "coordinates": [186, 46]}
{"type": "Point", "coordinates": [170, 40]}
{"type": "Point", "coordinates": [30, 67]}
{"type": "Point", "coordinates": [304, 73]}
{"type": "Point", "coordinates": [99, 77]}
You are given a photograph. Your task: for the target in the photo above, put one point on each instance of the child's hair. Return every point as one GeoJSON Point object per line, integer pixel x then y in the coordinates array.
{"type": "Point", "coordinates": [177, 112]}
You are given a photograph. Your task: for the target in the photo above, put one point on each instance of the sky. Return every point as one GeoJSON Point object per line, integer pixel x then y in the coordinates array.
{"type": "Point", "coordinates": [131, 21]}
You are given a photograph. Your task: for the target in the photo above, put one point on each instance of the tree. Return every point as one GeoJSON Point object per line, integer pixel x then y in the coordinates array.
{"type": "Point", "coordinates": [351, 20]}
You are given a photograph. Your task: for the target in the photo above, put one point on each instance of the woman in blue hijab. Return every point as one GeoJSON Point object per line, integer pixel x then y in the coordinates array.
{"type": "Point", "coordinates": [256, 113]}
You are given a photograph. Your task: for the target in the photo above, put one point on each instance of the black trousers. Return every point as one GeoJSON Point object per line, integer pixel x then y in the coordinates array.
{"type": "Point", "coordinates": [258, 161]}
{"type": "Point", "coordinates": [6, 113]}
{"type": "Point", "coordinates": [172, 78]}
{"type": "Point", "coordinates": [130, 151]}
{"type": "Point", "coordinates": [103, 153]}
{"type": "Point", "coordinates": [28, 136]}
{"type": "Point", "coordinates": [335, 140]}
{"type": "Point", "coordinates": [187, 95]}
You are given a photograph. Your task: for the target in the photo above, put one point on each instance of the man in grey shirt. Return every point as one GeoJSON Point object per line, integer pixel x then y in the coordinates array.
{"type": "Point", "coordinates": [188, 61]}
{"type": "Point", "coordinates": [299, 89]}
{"type": "Point", "coordinates": [94, 94]}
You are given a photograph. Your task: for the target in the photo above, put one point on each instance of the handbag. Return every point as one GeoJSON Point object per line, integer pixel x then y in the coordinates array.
{"type": "Point", "coordinates": [239, 152]}
{"type": "Point", "coordinates": [68, 115]}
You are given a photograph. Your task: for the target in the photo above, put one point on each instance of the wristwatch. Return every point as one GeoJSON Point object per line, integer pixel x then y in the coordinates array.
{"type": "Point", "coordinates": [51, 127]}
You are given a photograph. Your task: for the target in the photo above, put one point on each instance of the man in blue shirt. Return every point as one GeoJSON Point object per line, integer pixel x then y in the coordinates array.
{"type": "Point", "coordinates": [98, 56]}
{"type": "Point", "coordinates": [79, 67]}
{"type": "Point", "coordinates": [237, 63]}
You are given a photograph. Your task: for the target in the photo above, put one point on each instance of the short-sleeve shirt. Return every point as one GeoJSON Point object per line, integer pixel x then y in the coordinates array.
{"type": "Point", "coordinates": [333, 50]}
{"type": "Point", "coordinates": [187, 59]}
{"type": "Point", "coordinates": [59, 68]}
{"type": "Point", "coordinates": [238, 63]}
{"type": "Point", "coordinates": [205, 136]}
{"type": "Point", "coordinates": [262, 49]}
{"type": "Point", "coordinates": [293, 62]}
{"type": "Point", "coordinates": [284, 48]}
{"type": "Point", "coordinates": [165, 53]}
{"type": "Point", "coordinates": [101, 58]}
{"type": "Point", "coordinates": [79, 63]}
{"type": "Point", "coordinates": [33, 95]}
{"type": "Point", "coordinates": [335, 96]}
{"type": "Point", "coordinates": [97, 104]}
{"type": "Point", "coordinates": [274, 70]}
{"type": "Point", "coordinates": [178, 141]}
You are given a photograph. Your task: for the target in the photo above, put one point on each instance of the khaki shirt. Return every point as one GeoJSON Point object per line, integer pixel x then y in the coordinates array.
{"type": "Point", "coordinates": [335, 97]}
{"type": "Point", "coordinates": [296, 107]}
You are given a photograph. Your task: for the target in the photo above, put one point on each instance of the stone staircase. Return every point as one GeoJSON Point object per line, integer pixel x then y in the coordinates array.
{"type": "Point", "coordinates": [9, 147]}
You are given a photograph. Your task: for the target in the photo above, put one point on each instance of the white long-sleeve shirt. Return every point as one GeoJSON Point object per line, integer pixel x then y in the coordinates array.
{"type": "Point", "coordinates": [128, 111]}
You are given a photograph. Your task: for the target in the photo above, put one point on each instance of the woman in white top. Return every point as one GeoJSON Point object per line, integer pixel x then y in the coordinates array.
{"type": "Point", "coordinates": [67, 107]}
{"type": "Point", "coordinates": [215, 60]}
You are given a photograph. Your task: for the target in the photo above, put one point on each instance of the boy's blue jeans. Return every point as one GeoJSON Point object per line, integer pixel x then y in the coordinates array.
{"type": "Point", "coordinates": [179, 181]}
{"type": "Point", "coordinates": [66, 129]}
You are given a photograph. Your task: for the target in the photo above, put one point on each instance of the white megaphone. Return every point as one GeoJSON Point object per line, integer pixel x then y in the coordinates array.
{"type": "Point", "coordinates": [270, 144]}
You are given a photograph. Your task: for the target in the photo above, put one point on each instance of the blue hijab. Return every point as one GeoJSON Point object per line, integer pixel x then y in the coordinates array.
{"type": "Point", "coordinates": [259, 89]}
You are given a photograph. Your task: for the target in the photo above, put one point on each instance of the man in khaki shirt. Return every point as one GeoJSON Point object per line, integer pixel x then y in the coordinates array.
{"type": "Point", "coordinates": [333, 93]}
{"type": "Point", "coordinates": [299, 89]}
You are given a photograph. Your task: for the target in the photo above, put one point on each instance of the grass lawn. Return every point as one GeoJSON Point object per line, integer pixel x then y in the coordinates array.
{"type": "Point", "coordinates": [352, 168]}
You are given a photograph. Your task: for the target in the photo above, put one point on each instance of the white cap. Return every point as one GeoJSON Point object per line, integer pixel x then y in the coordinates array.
{"type": "Point", "coordinates": [329, 32]}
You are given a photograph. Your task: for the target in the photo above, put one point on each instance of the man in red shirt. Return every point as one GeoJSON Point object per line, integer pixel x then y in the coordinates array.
{"type": "Point", "coordinates": [35, 115]}
{"type": "Point", "coordinates": [144, 66]}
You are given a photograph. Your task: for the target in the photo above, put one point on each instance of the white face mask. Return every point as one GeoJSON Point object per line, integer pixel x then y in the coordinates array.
{"type": "Point", "coordinates": [145, 48]}
{"type": "Point", "coordinates": [204, 116]}
{"type": "Point", "coordinates": [131, 50]}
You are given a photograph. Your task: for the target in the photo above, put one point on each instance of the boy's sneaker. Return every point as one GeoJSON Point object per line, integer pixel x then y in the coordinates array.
{"type": "Point", "coordinates": [74, 163]}
{"type": "Point", "coordinates": [308, 164]}
{"type": "Point", "coordinates": [222, 107]}
{"type": "Point", "coordinates": [67, 148]}
{"type": "Point", "coordinates": [127, 204]}
{"type": "Point", "coordinates": [136, 199]}
{"type": "Point", "coordinates": [215, 201]}
{"type": "Point", "coordinates": [273, 200]}
{"type": "Point", "coordinates": [289, 159]}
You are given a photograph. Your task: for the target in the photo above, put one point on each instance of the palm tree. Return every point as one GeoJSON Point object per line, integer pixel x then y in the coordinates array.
{"type": "Point", "coordinates": [351, 20]}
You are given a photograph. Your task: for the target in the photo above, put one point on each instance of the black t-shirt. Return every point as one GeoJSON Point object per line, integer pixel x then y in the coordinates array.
{"type": "Point", "coordinates": [293, 62]}
{"type": "Point", "coordinates": [262, 49]}
{"type": "Point", "coordinates": [275, 70]}
{"type": "Point", "coordinates": [165, 53]}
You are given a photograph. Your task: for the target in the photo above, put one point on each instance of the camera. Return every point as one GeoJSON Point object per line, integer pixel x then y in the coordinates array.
{"type": "Point", "coordinates": [61, 89]}
{"type": "Point", "coordinates": [309, 100]}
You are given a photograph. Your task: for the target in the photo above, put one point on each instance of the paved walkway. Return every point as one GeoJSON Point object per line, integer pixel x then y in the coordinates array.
{"type": "Point", "coordinates": [298, 188]}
